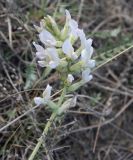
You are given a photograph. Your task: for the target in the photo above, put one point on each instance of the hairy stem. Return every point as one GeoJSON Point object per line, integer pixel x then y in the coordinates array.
{"type": "Point", "coordinates": [46, 129]}
{"type": "Point", "coordinates": [41, 139]}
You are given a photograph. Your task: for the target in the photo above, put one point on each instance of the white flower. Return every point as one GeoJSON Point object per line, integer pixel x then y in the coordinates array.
{"type": "Point", "coordinates": [51, 59]}
{"type": "Point", "coordinates": [68, 49]}
{"type": "Point", "coordinates": [46, 96]}
{"type": "Point", "coordinates": [85, 58]}
{"type": "Point", "coordinates": [72, 24]}
{"type": "Point", "coordinates": [48, 57]}
{"type": "Point", "coordinates": [87, 50]}
{"type": "Point", "coordinates": [85, 43]}
{"type": "Point", "coordinates": [74, 28]}
{"type": "Point", "coordinates": [38, 101]}
{"type": "Point", "coordinates": [91, 63]}
{"type": "Point", "coordinates": [40, 51]}
{"type": "Point", "coordinates": [82, 37]}
{"type": "Point", "coordinates": [70, 78]}
{"type": "Point", "coordinates": [88, 47]}
{"type": "Point", "coordinates": [47, 92]}
{"type": "Point", "coordinates": [86, 76]}
{"type": "Point", "coordinates": [68, 16]}
{"type": "Point", "coordinates": [47, 38]}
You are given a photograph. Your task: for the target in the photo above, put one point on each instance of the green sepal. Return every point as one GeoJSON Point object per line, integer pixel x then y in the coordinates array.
{"type": "Point", "coordinates": [53, 106]}
{"type": "Point", "coordinates": [46, 72]}
{"type": "Point", "coordinates": [75, 86]}
{"type": "Point", "coordinates": [54, 26]}
{"type": "Point", "coordinates": [64, 32]}
{"type": "Point", "coordinates": [77, 67]}
{"type": "Point", "coordinates": [78, 51]}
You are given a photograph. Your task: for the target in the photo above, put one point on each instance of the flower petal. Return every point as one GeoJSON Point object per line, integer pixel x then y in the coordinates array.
{"type": "Point", "coordinates": [86, 76]}
{"type": "Point", "coordinates": [40, 51]}
{"type": "Point", "coordinates": [68, 15]}
{"type": "Point", "coordinates": [67, 48]}
{"type": "Point", "coordinates": [89, 41]}
{"type": "Point", "coordinates": [52, 64]}
{"type": "Point", "coordinates": [42, 63]}
{"type": "Point", "coordinates": [53, 55]}
{"type": "Point", "coordinates": [84, 56]}
{"type": "Point", "coordinates": [40, 55]}
{"type": "Point", "coordinates": [38, 47]}
{"type": "Point", "coordinates": [70, 78]}
{"type": "Point", "coordinates": [85, 43]}
{"type": "Point", "coordinates": [73, 24]}
{"type": "Point", "coordinates": [38, 101]}
{"type": "Point", "coordinates": [47, 38]}
{"type": "Point", "coordinates": [73, 28]}
{"type": "Point", "coordinates": [91, 63]}
{"type": "Point", "coordinates": [47, 92]}
{"type": "Point", "coordinates": [88, 47]}
{"type": "Point", "coordinates": [74, 56]}
{"type": "Point", "coordinates": [82, 37]}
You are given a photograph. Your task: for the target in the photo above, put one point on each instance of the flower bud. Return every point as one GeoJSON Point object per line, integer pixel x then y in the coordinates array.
{"type": "Point", "coordinates": [70, 78]}
{"type": "Point", "coordinates": [54, 26]}
{"type": "Point", "coordinates": [64, 32]}
{"type": "Point", "coordinates": [67, 104]}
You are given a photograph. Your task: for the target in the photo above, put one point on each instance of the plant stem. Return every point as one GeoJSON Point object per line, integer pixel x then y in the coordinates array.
{"type": "Point", "coordinates": [40, 141]}
{"type": "Point", "coordinates": [46, 129]}
{"type": "Point", "coordinates": [62, 97]}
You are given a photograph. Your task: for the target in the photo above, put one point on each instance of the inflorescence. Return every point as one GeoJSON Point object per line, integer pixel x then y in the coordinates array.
{"type": "Point", "coordinates": [57, 52]}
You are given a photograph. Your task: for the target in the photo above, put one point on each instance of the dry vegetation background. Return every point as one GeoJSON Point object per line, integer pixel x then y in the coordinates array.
{"type": "Point", "coordinates": [100, 127]}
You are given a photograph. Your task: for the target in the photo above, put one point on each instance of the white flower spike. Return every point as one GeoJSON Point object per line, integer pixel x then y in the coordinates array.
{"type": "Point", "coordinates": [47, 38]}
{"type": "Point", "coordinates": [69, 50]}
{"type": "Point", "coordinates": [52, 55]}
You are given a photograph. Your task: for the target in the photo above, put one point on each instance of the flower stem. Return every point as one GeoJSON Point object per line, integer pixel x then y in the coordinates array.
{"type": "Point", "coordinates": [46, 129]}
{"type": "Point", "coordinates": [40, 141]}
{"type": "Point", "coordinates": [62, 97]}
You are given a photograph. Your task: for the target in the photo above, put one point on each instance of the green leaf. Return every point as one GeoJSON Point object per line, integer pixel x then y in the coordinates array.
{"type": "Point", "coordinates": [31, 76]}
